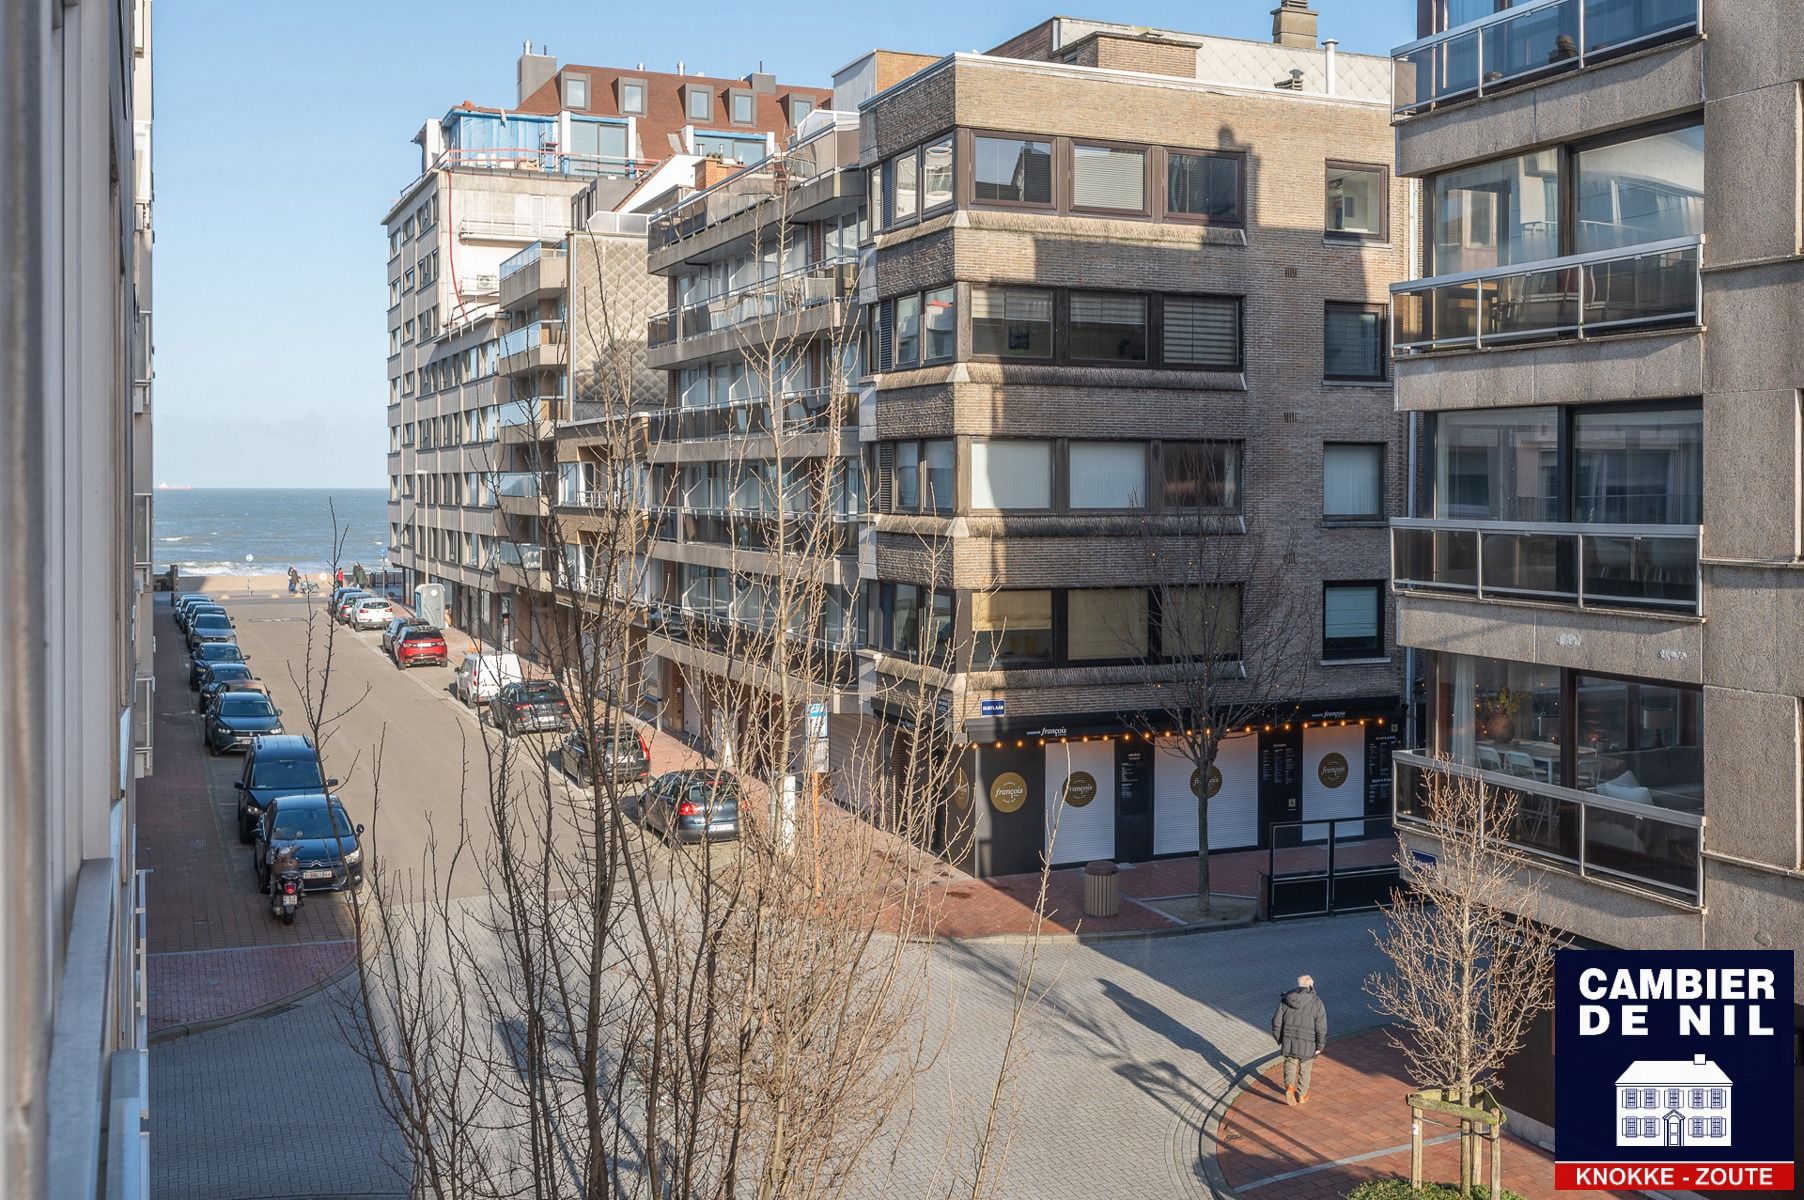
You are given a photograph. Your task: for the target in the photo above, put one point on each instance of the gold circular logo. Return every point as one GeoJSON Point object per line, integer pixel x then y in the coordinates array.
{"type": "Point", "coordinates": [1080, 789]}
{"type": "Point", "coordinates": [1008, 792]}
{"type": "Point", "coordinates": [961, 789]}
{"type": "Point", "coordinates": [1214, 781]}
{"type": "Point", "coordinates": [1332, 771]}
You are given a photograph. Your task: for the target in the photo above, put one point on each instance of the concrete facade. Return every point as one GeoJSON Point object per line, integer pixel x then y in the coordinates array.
{"type": "Point", "coordinates": [76, 505]}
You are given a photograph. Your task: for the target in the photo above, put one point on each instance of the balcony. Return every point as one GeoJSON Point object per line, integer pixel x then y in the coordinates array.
{"type": "Point", "coordinates": [1584, 565]}
{"type": "Point", "coordinates": [520, 564]}
{"type": "Point", "coordinates": [532, 419]}
{"type": "Point", "coordinates": [1578, 296]}
{"type": "Point", "coordinates": [1640, 846]}
{"type": "Point", "coordinates": [531, 347]}
{"type": "Point", "coordinates": [1529, 42]}
{"type": "Point", "coordinates": [538, 270]}
{"type": "Point", "coordinates": [794, 291]}
{"type": "Point", "coordinates": [518, 492]}
{"type": "Point", "coordinates": [766, 179]}
{"type": "Point", "coordinates": [810, 410]}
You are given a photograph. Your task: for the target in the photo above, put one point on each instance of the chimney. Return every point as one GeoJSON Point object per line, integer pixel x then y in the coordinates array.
{"type": "Point", "coordinates": [1697, 1060]}
{"type": "Point", "coordinates": [533, 72]}
{"type": "Point", "coordinates": [1329, 65]}
{"type": "Point", "coordinates": [1293, 24]}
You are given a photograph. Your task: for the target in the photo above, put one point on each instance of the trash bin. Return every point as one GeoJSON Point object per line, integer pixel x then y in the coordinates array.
{"type": "Point", "coordinates": [1102, 889]}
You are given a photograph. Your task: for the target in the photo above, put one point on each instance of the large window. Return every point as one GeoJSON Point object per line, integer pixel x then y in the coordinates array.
{"type": "Point", "coordinates": [1202, 476]}
{"type": "Point", "coordinates": [1010, 627]}
{"type": "Point", "coordinates": [1352, 620]}
{"type": "Point", "coordinates": [1105, 624]}
{"type": "Point", "coordinates": [905, 182]}
{"type": "Point", "coordinates": [1011, 322]}
{"type": "Point", "coordinates": [1356, 201]}
{"type": "Point", "coordinates": [1200, 622]}
{"type": "Point", "coordinates": [1638, 468]}
{"type": "Point", "coordinates": [1353, 481]}
{"type": "Point", "coordinates": [1108, 326]}
{"type": "Point", "coordinates": [1108, 475]}
{"type": "Point", "coordinates": [1500, 464]}
{"type": "Point", "coordinates": [908, 330]}
{"type": "Point", "coordinates": [700, 104]}
{"type": "Point", "coordinates": [1640, 741]}
{"type": "Point", "coordinates": [1013, 474]}
{"type": "Point", "coordinates": [936, 174]}
{"type": "Point", "coordinates": [1496, 213]}
{"type": "Point", "coordinates": [1108, 177]}
{"type": "Point", "coordinates": [1353, 342]}
{"type": "Point", "coordinates": [1646, 189]}
{"type": "Point", "coordinates": [1206, 186]}
{"type": "Point", "coordinates": [940, 317]}
{"type": "Point", "coordinates": [1012, 170]}
{"type": "Point", "coordinates": [1202, 331]}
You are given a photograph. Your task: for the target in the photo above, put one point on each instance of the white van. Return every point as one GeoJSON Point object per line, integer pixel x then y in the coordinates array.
{"type": "Point", "coordinates": [480, 676]}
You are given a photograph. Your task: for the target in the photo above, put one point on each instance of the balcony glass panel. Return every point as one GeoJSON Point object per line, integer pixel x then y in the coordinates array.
{"type": "Point", "coordinates": [1612, 23]}
{"type": "Point", "coordinates": [1643, 848]}
{"type": "Point", "coordinates": [1642, 571]}
{"type": "Point", "coordinates": [1539, 39]}
{"type": "Point", "coordinates": [1588, 565]}
{"type": "Point", "coordinates": [1532, 564]}
{"type": "Point", "coordinates": [1532, 305]}
{"type": "Point", "coordinates": [1436, 558]}
{"type": "Point", "coordinates": [518, 484]}
{"type": "Point", "coordinates": [1642, 290]}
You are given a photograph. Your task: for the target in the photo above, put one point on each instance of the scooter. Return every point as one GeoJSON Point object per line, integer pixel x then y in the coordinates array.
{"type": "Point", "coordinates": [286, 894]}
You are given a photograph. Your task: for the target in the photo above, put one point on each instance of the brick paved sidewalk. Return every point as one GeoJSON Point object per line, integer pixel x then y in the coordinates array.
{"type": "Point", "coordinates": [212, 949]}
{"type": "Point", "coordinates": [1354, 1128]}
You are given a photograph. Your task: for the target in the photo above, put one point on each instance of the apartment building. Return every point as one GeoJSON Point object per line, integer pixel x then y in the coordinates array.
{"type": "Point", "coordinates": [493, 182]}
{"type": "Point", "coordinates": [1601, 576]}
{"type": "Point", "coordinates": [1127, 289]}
{"type": "Point", "coordinates": [77, 704]}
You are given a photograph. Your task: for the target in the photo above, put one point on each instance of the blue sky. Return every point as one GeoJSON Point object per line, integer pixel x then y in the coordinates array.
{"type": "Point", "coordinates": [282, 135]}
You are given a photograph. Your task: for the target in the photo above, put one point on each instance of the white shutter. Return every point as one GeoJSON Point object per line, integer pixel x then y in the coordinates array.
{"type": "Point", "coordinates": [1203, 332]}
{"type": "Point", "coordinates": [1233, 811]}
{"type": "Point", "coordinates": [1322, 802]}
{"type": "Point", "coordinates": [1107, 178]}
{"type": "Point", "coordinates": [1087, 832]}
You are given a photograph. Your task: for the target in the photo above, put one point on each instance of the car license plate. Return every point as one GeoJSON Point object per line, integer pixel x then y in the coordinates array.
{"type": "Point", "coordinates": [316, 874]}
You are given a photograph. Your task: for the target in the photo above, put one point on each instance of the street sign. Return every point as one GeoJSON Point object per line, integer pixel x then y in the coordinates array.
{"type": "Point", "coordinates": [989, 708]}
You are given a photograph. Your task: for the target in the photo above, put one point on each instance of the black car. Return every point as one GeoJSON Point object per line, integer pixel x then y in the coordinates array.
{"type": "Point", "coordinates": [208, 653]}
{"type": "Point", "coordinates": [325, 842]}
{"type": "Point", "coordinates": [531, 704]}
{"type": "Point", "coordinates": [210, 627]}
{"type": "Point", "coordinates": [225, 677]}
{"type": "Point", "coordinates": [236, 718]}
{"type": "Point", "coordinates": [616, 752]}
{"type": "Point", "coordinates": [278, 765]}
{"type": "Point", "coordinates": [692, 806]}
{"type": "Point", "coordinates": [397, 627]}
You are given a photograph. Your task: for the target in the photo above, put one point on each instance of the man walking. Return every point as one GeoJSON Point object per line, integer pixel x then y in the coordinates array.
{"type": "Point", "coordinates": [1300, 1027]}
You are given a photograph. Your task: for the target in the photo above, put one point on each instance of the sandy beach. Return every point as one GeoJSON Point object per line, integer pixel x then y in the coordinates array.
{"type": "Point", "coordinates": [271, 584]}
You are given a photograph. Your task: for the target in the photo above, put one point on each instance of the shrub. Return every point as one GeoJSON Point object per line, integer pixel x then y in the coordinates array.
{"type": "Point", "coordinates": [1399, 1189]}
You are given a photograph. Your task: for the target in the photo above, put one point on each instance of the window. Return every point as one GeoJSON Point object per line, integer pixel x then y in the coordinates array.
{"type": "Point", "coordinates": [1200, 622]}
{"type": "Point", "coordinates": [1650, 1127]}
{"type": "Point", "coordinates": [1352, 626]}
{"type": "Point", "coordinates": [1202, 332]}
{"type": "Point", "coordinates": [936, 174]}
{"type": "Point", "coordinates": [1011, 322]}
{"type": "Point", "coordinates": [1012, 170]}
{"type": "Point", "coordinates": [937, 632]}
{"type": "Point", "coordinates": [940, 316]}
{"type": "Point", "coordinates": [1204, 476]}
{"type": "Point", "coordinates": [1697, 1097]}
{"type": "Point", "coordinates": [936, 462]}
{"type": "Point", "coordinates": [908, 476]}
{"type": "Point", "coordinates": [1105, 623]}
{"type": "Point", "coordinates": [1353, 481]}
{"type": "Point", "coordinates": [1645, 742]}
{"type": "Point", "coordinates": [1353, 342]}
{"type": "Point", "coordinates": [632, 97]}
{"type": "Point", "coordinates": [576, 91]}
{"type": "Point", "coordinates": [1108, 178]}
{"type": "Point", "coordinates": [743, 108]}
{"type": "Point", "coordinates": [1716, 1097]}
{"type": "Point", "coordinates": [1011, 627]}
{"type": "Point", "coordinates": [1629, 1125]}
{"type": "Point", "coordinates": [1496, 213]}
{"type": "Point", "coordinates": [1628, 1098]}
{"type": "Point", "coordinates": [1650, 1098]}
{"type": "Point", "coordinates": [1013, 474]}
{"type": "Point", "coordinates": [1356, 207]}
{"type": "Point", "coordinates": [1638, 467]}
{"type": "Point", "coordinates": [799, 108]}
{"type": "Point", "coordinates": [1644, 189]}
{"type": "Point", "coordinates": [1672, 1097]}
{"type": "Point", "coordinates": [904, 200]}
{"type": "Point", "coordinates": [1108, 326]}
{"type": "Point", "coordinates": [1108, 475]}
{"type": "Point", "coordinates": [699, 103]}
{"type": "Point", "coordinates": [1205, 186]}
{"type": "Point", "coordinates": [908, 330]}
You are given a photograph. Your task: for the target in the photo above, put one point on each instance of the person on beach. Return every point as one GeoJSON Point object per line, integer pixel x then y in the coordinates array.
{"type": "Point", "coordinates": [294, 581]}
{"type": "Point", "coordinates": [340, 577]}
{"type": "Point", "coordinates": [359, 576]}
{"type": "Point", "coordinates": [1300, 1027]}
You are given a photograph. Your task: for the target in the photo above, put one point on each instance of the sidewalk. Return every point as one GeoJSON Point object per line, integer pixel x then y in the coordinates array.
{"type": "Point", "coordinates": [1355, 1127]}
{"type": "Point", "coordinates": [212, 949]}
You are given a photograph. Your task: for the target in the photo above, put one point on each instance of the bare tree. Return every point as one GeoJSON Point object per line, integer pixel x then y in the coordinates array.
{"type": "Point", "coordinates": [1468, 974]}
{"type": "Point", "coordinates": [1231, 638]}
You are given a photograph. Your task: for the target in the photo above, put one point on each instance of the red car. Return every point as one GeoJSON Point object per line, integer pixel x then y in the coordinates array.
{"type": "Point", "coordinates": [416, 646]}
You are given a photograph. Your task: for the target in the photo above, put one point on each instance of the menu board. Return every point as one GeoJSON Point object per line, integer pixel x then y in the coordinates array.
{"type": "Point", "coordinates": [1133, 781]}
{"type": "Point", "coordinates": [1379, 748]}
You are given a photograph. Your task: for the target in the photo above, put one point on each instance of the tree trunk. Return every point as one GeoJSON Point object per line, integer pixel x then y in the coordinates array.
{"type": "Point", "coordinates": [1205, 764]}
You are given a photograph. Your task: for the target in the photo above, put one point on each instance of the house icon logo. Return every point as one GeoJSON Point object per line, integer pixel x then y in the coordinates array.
{"type": "Point", "coordinates": [1673, 1103]}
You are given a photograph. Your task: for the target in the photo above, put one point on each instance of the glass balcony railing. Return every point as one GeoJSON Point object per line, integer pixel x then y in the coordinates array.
{"type": "Point", "coordinates": [766, 179]}
{"type": "Point", "coordinates": [536, 410]}
{"type": "Point", "coordinates": [1579, 296]}
{"type": "Point", "coordinates": [539, 333]}
{"type": "Point", "coordinates": [808, 410]}
{"type": "Point", "coordinates": [519, 485]}
{"type": "Point", "coordinates": [1640, 845]}
{"type": "Point", "coordinates": [518, 554]}
{"type": "Point", "coordinates": [1586, 565]}
{"type": "Point", "coordinates": [1529, 41]}
{"type": "Point", "coordinates": [793, 291]}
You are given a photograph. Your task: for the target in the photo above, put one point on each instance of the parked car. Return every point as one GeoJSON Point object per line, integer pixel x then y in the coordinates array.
{"type": "Point", "coordinates": [396, 625]}
{"type": "Point", "coordinates": [692, 806]}
{"type": "Point", "coordinates": [371, 612]}
{"type": "Point", "coordinates": [180, 603]}
{"type": "Point", "coordinates": [278, 765]}
{"type": "Point", "coordinates": [210, 627]}
{"type": "Point", "coordinates": [328, 846]}
{"type": "Point", "coordinates": [480, 676]}
{"type": "Point", "coordinates": [616, 752]}
{"type": "Point", "coordinates": [226, 677]}
{"type": "Point", "coordinates": [211, 652]}
{"type": "Point", "coordinates": [530, 705]}
{"type": "Point", "coordinates": [346, 603]}
{"type": "Point", "coordinates": [184, 616]}
{"type": "Point", "coordinates": [343, 590]}
{"type": "Point", "coordinates": [236, 717]}
{"type": "Point", "coordinates": [420, 647]}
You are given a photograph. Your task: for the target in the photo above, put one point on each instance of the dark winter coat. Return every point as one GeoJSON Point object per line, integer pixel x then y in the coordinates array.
{"type": "Point", "coordinates": [1300, 1026]}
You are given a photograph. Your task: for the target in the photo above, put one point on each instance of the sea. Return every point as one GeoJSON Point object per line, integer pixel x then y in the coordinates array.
{"type": "Point", "coordinates": [257, 531]}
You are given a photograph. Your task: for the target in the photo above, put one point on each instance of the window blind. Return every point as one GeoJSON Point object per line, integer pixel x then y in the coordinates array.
{"type": "Point", "coordinates": [1107, 308]}
{"type": "Point", "coordinates": [1105, 623]}
{"type": "Point", "coordinates": [1011, 610]}
{"type": "Point", "coordinates": [1350, 613]}
{"type": "Point", "coordinates": [1350, 481]}
{"type": "Point", "coordinates": [1105, 178]}
{"type": "Point", "coordinates": [1011, 474]}
{"type": "Point", "coordinates": [1203, 332]}
{"type": "Point", "coordinates": [1352, 343]}
{"type": "Point", "coordinates": [1198, 620]}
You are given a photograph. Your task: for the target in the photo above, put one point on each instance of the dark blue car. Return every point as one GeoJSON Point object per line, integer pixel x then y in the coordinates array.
{"type": "Point", "coordinates": [326, 844]}
{"type": "Point", "coordinates": [236, 718]}
{"type": "Point", "coordinates": [278, 765]}
{"type": "Point", "coordinates": [208, 653]}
